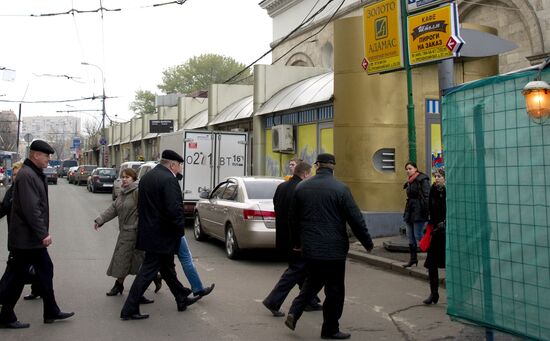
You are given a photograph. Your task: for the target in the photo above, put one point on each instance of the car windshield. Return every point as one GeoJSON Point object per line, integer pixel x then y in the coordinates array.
{"type": "Point", "coordinates": [69, 163]}
{"type": "Point", "coordinates": [136, 166]}
{"type": "Point", "coordinates": [49, 170]}
{"type": "Point", "coordinates": [261, 188]}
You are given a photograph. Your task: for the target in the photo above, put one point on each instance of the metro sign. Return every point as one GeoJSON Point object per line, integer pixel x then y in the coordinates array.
{"type": "Point", "coordinates": [365, 64]}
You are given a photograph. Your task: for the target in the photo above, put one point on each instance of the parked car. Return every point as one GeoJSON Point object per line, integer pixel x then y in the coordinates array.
{"type": "Point", "coordinates": [82, 173]}
{"type": "Point", "coordinates": [239, 211]}
{"type": "Point", "coordinates": [118, 182]}
{"type": "Point", "coordinates": [63, 169]}
{"type": "Point", "coordinates": [101, 179]}
{"type": "Point", "coordinates": [146, 167]}
{"type": "Point", "coordinates": [51, 175]}
{"type": "Point", "coordinates": [71, 174]}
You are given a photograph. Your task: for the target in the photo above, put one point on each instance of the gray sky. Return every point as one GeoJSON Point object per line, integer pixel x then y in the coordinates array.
{"type": "Point", "coordinates": [132, 47]}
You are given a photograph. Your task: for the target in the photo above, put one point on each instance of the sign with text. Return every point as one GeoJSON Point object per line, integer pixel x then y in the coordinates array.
{"type": "Point", "coordinates": [416, 5]}
{"type": "Point", "coordinates": [161, 126]}
{"type": "Point", "coordinates": [382, 35]}
{"type": "Point", "coordinates": [433, 35]}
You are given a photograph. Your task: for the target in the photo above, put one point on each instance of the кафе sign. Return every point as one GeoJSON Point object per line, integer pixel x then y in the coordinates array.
{"type": "Point", "coordinates": [432, 35]}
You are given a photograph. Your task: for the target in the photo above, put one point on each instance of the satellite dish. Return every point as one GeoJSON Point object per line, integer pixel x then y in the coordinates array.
{"type": "Point", "coordinates": [28, 137]}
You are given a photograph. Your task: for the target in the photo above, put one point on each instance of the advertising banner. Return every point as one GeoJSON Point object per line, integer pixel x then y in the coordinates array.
{"type": "Point", "coordinates": [382, 35]}
{"type": "Point", "coordinates": [433, 35]}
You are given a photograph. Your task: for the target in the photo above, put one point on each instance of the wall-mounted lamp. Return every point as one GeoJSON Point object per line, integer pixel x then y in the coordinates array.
{"type": "Point", "coordinates": [537, 99]}
{"type": "Point", "coordinates": [537, 96]}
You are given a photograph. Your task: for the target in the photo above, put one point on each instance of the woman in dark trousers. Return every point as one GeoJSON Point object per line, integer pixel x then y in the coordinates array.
{"type": "Point", "coordinates": [436, 251]}
{"type": "Point", "coordinates": [416, 210]}
{"type": "Point", "coordinates": [5, 208]}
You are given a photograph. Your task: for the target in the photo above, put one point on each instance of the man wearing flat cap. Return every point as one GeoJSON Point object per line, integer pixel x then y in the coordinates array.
{"type": "Point", "coordinates": [160, 228]}
{"type": "Point", "coordinates": [320, 209]}
{"type": "Point", "coordinates": [29, 237]}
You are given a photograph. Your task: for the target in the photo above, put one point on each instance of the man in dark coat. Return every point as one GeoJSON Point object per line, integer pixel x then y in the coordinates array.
{"type": "Point", "coordinates": [296, 271]}
{"type": "Point", "coordinates": [320, 208]}
{"type": "Point", "coordinates": [160, 228]}
{"type": "Point", "coordinates": [28, 239]}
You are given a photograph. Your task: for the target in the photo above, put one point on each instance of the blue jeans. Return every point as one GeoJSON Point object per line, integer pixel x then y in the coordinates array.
{"type": "Point", "coordinates": [415, 232]}
{"type": "Point", "coordinates": [186, 260]}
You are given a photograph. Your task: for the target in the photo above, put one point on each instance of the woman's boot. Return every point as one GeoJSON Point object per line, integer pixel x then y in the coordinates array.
{"type": "Point", "coordinates": [413, 259]}
{"type": "Point", "coordinates": [118, 288]}
{"type": "Point", "coordinates": [434, 287]}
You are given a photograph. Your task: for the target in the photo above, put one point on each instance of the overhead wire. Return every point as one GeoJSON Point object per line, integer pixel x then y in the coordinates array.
{"type": "Point", "coordinates": [73, 10]}
{"type": "Point", "coordinates": [285, 38]}
{"type": "Point", "coordinates": [314, 34]}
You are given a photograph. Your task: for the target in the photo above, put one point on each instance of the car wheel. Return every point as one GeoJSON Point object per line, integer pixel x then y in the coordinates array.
{"type": "Point", "coordinates": [231, 246]}
{"type": "Point", "coordinates": [93, 189]}
{"type": "Point", "coordinates": [197, 229]}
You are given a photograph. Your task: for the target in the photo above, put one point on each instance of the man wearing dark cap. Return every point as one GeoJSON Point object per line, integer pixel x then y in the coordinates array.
{"type": "Point", "coordinates": [160, 228]}
{"type": "Point", "coordinates": [28, 239]}
{"type": "Point", "coordinates": [320, 209]}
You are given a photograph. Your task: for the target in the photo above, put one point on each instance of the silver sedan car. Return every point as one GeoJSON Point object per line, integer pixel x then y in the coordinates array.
{"type": "Point", "coordinates": [239, 211]}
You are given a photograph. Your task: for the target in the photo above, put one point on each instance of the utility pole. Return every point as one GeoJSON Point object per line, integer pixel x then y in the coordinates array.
{"type": "Point", "coordinates": [102, 140]}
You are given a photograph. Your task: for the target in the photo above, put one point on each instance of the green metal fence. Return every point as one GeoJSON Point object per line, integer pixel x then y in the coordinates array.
{"type": "Point", "coordinates": [498, 192]}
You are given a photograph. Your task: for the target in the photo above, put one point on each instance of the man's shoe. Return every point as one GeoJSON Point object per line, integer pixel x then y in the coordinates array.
{"type": "Point", "coordinates": [336, 336]}
{"type": "Point", "coordinates": [31, 296]}
{"type": "Point", "coordinates": [145, 300]}
{"type": "Point", "coordinates": [136, 316]}
{"type": "Point", "coordinates": [313, 307]}
{"type": "Point", "coordinates": [276, 313]}
{"type": "Point", "coordinates": [158, 282]}
{"type": "Point", "coordinates": [290, 322]}
{"type": "Point", "coordinates": [14, 325]}
{"type": "Point", "coordinates": [187, 301]}
{"type": "Point", "coordinates": [60, 316]}
{"type": "Point", "coordinates": [204, 291]}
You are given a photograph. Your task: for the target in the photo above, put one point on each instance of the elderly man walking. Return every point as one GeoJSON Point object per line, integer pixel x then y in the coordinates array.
{"type": "Point", "coordinates": [29, 238]}
{"type": "Point", "coordinates": [320, 208]}
{"type": "Point", "coordinates": [160, 228]}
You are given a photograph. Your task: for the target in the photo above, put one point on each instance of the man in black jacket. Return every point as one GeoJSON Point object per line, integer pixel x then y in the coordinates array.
{"type": "Point", "coordinates": [29, 237]}
{"type": "Point", "coordinates": [320, 208]}
{"type": "Point", "coordinates": [160, 228]}
{"type": "Point", "coordinates": [296, 271]}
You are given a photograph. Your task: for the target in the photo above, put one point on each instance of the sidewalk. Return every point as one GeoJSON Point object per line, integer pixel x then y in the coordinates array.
{"type": "Point", "coordinates": [389, 260]}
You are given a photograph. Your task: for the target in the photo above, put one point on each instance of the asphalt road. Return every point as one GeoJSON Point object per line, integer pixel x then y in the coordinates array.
{"type": "Point", "coordinates": [379, 305]}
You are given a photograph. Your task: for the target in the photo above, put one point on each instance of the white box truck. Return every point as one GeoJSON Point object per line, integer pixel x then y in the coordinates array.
{"type": "Point", "coordinates": [209, 157]}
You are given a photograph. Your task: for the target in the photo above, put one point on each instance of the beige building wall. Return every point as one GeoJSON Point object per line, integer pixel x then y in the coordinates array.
{"type": "Point", "coordinates": [370, 113]}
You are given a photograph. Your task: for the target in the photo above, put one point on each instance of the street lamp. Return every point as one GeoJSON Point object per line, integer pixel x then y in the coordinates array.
{"type": "Point", "coordinates": [102, 141]}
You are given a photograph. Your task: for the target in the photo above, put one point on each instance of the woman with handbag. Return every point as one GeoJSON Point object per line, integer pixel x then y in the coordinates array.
{"type": "Point", "coordinates": [416, 209]}
{"type": "Point", "coordinates": [126, 258]}
{"type": "Point", "coordinates": [436, 249]}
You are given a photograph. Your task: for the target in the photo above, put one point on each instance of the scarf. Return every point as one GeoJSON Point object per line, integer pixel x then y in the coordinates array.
{"type": "Point", "coordinates": [413, 177]}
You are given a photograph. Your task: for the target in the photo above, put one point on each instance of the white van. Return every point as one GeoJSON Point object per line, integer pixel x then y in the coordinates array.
{"type": "Point", "coordinates": [118, 182]}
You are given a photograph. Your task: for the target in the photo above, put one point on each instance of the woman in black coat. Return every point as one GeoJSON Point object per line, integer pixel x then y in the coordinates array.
{"type": "Point", "coordinates": [436, 251]}
{"type": "Point", "coordinates": [416, 210]}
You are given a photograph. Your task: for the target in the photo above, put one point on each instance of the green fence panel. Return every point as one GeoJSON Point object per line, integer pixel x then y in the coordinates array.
{"type": "Point", "coordinates": [498, 215]}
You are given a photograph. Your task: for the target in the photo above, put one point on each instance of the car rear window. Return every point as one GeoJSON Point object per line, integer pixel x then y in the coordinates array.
{"type": "Point", "coordinates": [89, 168]}
{"type": "Point", "coordinates": [69, 163]}
{"type": "Point", "coordinates": [106, 172]}
{"type": "Point", "coordinates": [261, 189]}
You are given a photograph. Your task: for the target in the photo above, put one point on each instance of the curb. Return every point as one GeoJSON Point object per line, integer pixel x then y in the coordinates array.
{"type": "Point", "coordinates": [392, 265]}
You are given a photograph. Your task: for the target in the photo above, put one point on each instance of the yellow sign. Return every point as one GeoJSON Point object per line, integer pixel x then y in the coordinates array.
{"type": "Point", "coordinates": [382, 34]}
{"type": "Point", "coordinates": [431, 35]}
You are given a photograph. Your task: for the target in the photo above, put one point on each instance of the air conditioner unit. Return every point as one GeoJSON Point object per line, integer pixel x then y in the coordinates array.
{"type": "Point", "coordinates": [282, 138]}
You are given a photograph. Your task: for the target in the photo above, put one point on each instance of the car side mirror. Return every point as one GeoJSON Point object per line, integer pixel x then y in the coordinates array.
{"type": "Point", "coordinates": [204, 194]}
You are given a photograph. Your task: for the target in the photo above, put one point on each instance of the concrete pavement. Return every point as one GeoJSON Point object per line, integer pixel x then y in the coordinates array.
{"type": "Point", "coordinates": [391, 261]}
